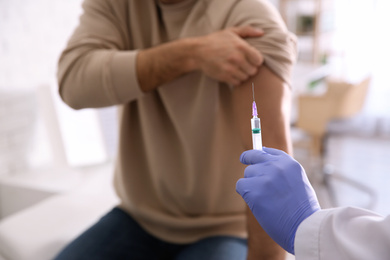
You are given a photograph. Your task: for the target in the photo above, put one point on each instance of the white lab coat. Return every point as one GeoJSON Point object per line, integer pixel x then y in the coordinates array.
{"type": "Point", "coordinates": [343, 233]}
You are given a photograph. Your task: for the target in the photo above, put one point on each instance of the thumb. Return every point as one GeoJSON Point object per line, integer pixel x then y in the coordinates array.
{"type": "Point", "coordinates": [248, 31]}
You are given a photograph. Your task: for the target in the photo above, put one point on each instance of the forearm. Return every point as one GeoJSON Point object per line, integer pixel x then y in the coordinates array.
{"type": "Point", "coordinates": [222, 55]}
{"type": "Point", "coordinates": [273, 101]}
{"type": "Point", "coordinates": [165, 62]}
{"type": "Point", "coordinates": [92, 76]}
{"type": "Point", "coordinates": [108, 80]}
{"type": "Point", "coordinates": [260, 245]}
{"type": "Point", "coordinates": [112, 76]}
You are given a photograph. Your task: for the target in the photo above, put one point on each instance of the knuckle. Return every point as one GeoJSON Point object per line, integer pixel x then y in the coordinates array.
{"type": "Point", "coordinates": [225, 69]}
{"type": "Point", "coordinates": [231, 70]}
{"type": "Point", "coordinates": [258, 56]}
{"type": "Point", "coordinates": [236, 59]}
{"type": "Point", "coordinates": [232, 58]}
{"type": "Point", "coordinates": [242, 76]}
{"type": "Point", "coordinates": [241, 46]}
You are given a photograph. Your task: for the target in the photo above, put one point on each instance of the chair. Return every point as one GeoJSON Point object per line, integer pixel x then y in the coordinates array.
{"type": "Point", "coordinates": [340, 101]}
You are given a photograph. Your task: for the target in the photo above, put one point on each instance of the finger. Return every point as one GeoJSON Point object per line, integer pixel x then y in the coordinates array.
{"type": "Point", "coordinates": [240, 187]}
{"type": "Point", "coordinates": [243, 186]}
{"type": "Point", "coordinates": [249, 191]}
{"type": "Point", "coordinates": [238, 65]}
{"type": "Point", "coordinates": [254, 56]}
{"type": "Point", "coordinates": [254, 156]}
{"type": "Point", "coordinates": [273, 151]}
{"type": "Point", "coordinates": [255, 170]}
{"type": "Point", "coordinates": [235, 76]}
{"type": "Point", "coordinates": [229, 79]}
{"type": "Point", "coordinates": [238, 74]}
{"type": "Point", "coordinates": [248, 31]}
{"type": "Point", "coordinates": [248, 68]}
{"type": "Point", "coordinates": [233, 81]}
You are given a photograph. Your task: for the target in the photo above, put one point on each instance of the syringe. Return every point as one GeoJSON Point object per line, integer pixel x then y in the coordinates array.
{"type": "Point", "coordinates": [256, 126]}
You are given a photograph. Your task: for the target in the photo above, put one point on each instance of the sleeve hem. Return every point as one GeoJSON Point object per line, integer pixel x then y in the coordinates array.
{"type": "Point", "coordinates": [124, 76]}
{"type": "Point", "coordinates": [307, 238]}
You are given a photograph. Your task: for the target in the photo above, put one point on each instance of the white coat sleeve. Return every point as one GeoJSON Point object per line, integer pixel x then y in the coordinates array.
{"type": "Point", "coordinates": [343, 233]}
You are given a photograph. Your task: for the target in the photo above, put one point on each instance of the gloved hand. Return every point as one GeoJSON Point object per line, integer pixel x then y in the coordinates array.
{"type": "Point", "coordinates": [278, 192]}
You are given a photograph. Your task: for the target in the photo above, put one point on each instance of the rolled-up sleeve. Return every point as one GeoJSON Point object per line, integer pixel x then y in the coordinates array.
{"type": "Point", "coordinates": [278, 46]}
{"type": "Point", "coordinates": [98, 67]}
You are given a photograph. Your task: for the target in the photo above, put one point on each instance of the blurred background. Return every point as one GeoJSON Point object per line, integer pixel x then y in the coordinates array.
{"type": "Point", "coordinates": [340, 119]}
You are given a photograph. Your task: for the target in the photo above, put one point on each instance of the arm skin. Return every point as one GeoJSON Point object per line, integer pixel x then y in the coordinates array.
{"type": "Point", "coordinates": [273, 99]}
{"type": "Point", "coordinates": [222, 55]}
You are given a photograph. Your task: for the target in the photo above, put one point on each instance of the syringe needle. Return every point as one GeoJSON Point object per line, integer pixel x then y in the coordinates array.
{"type": "Point", "coordinates": [253, 92]}
{"type": "Point", "coordinates": [254, 107]}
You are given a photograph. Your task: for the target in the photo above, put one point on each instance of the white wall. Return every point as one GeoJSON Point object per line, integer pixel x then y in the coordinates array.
{"type": "Point", "coordinates": [44, 145]}
{"type": "Point", "coordinates": [32, 35]}
{"type": "Point", "coordinates": [362, 35]}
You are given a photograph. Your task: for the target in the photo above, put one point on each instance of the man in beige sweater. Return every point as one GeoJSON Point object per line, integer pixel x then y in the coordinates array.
{"type": "Point", "coordinates": [180, 72]}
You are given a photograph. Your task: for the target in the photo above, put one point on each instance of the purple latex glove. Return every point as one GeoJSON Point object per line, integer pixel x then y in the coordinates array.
{"type": "Point", "coordinates": [278, 192]}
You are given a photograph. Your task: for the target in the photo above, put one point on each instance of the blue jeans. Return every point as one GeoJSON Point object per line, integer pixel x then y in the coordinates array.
{"type": "Point", "coordinates": [118, 236]}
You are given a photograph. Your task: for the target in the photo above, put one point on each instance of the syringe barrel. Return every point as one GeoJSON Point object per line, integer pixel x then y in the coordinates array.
{"type": "Point", "coordinates": [255, 122]}
{"type": "Point", "coordinates": [257, 142]}
{"type": "Point", "coordinates": [256, 134]}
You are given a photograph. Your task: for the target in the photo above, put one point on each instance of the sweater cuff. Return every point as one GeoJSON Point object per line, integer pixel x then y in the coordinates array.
{"type": "Point", "coordinates": [124, 76]}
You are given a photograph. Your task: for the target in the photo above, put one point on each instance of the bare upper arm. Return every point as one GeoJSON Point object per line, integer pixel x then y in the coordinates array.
{"type": "Point", "coordinates": [273, 99]}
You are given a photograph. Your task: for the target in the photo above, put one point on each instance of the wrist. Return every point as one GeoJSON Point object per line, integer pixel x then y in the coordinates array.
{"type": "Point", "coordinates": [193, 55]}
{"type": "Point", "coordinates": [298, 219]}
{"type": "Point", "coordinates": [180, 54]}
